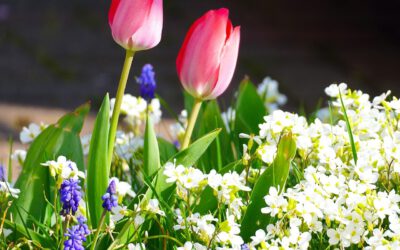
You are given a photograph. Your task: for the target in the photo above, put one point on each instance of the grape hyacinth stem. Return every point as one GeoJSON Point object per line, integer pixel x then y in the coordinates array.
{"type": "Point", "coordinates": [103, 216]}
{"type": "Point", "coordinates": [65, 227]}
{"type": "Point", "coordinates": [191, 123]}
{"type": "Point", "coordinates": [118, 101]}
{"type": "Point", "coordinates": [115, 243]}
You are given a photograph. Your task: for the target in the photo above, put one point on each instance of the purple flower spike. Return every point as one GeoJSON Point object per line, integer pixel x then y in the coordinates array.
{"type": "Point", "coordinates": [75, 239]}
{"type": "Point", "coordinates": [76, 235]}
{"type": "Point", "coordinates": [2, 173]}
{"type": "Point", "coordinates": [110, 198]}
{"type": "Point", "coordinates": [70, 195]}
{"type": "Point", "coordinates": [147, 82]}
{"type": "Point", "coordinates": [83, 228]}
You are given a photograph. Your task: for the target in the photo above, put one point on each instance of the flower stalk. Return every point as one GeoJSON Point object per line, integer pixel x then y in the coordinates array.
{"type": "Point", "coordinates": [101, 222]}
{"type": "Point", "coordinates": [118, 101]}
{"type": "Point", "coordinates": [191, 123]}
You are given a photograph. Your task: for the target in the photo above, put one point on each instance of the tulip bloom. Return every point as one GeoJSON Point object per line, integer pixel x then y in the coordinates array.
{"type": "Point", "coordinates": [207, 59]}
{"type": "Point", "coordinates": [136, 24]}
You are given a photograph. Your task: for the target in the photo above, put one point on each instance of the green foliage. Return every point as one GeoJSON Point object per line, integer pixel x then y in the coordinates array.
{"type": "Point", "coordinates": [166, 149]}
{"type": "Point", "coordinates": [151, 151]}
{"type": "Point", "coordinates": [250, 109]}
{"type": "Point", "coordinates": [348, 126]}
{"type": "Point", "coordinates": [187, 157]}
{"type": "Point", "coordinates": [35, 181]}
{"type": "Point", "coordinates": [220, 151]}
{"type": "Point", "coordinates": [98, 170]}
{"type": "Point", "coordinates": [274, 176]}
{"type": "Point", "coordinates": [39, 240]}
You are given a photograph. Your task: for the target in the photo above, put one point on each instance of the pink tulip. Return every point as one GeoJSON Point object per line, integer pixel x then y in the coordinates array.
{"type": "Point", "coordinates": [136, 24]}
{"type": "Point", "coordinates": [207, 59]}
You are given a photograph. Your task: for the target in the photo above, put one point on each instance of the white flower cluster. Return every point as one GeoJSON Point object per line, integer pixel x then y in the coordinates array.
{"type": "Point", "coordinates": [346, 198]}
{"type": "Point", "coordinates": [190, 182]}
{"type": "Point", "coordinates": [135, 110]}
{"type": "Point", "coordinates": [63, 169]}
{"type": "Point", "coordinates": [268, 90]}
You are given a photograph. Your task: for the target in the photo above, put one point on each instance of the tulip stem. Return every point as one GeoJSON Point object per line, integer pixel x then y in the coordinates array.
{"type": "Point", "coordinates": [191, 123]}
{"type": "Point", "coordinates": [118, 101]}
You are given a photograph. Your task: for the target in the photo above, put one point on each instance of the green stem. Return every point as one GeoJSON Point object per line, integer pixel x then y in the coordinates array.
{"type": "Point", "coordinates": [118, 101]}
{"type": "Point", "coordinates": [103, 216]}
{"type": "Point", "coordinates": [191, 123]}
{"type": "Point", "coordinates": [10, 168]}
{"type": "Point", "coordinates": [65, 228]}
{"type": "Point", "coordinates": [120, 235]}
{"type": "Point", "coordinates": [165, 237]}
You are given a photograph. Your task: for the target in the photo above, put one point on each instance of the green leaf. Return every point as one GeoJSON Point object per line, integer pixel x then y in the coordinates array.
{"type": "Point", "coordinates": [220, 151]}
{"type": "Point", "coordinates": [349, 131]}
{"type": "Point", "coordinates": [98, 169]}
{"type": "Point", "coordinates": [274, 176]}
{"type": "Point", "coordinates": [250, 109]}
{"type": "Point", "coordinates": [35, 181]}
{"type": "Point", "coordinates": [167, 150]}
{"type": "Point", "coordinates": [187, 157]}
{"type": "Point", "coordinates": [151, 152]}
{"type": "Point", "coordinates": [18, 232]}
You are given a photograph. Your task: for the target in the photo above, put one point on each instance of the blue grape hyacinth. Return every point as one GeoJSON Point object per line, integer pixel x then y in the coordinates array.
{"type": "Point", "coordinates": [147, 82]}
{"type": "Point", "coordinates": [83, 228]}
{"type": "Point", "coordinates": [76, 235]}
{"type": "Point", "coordinates": [75, 239]}
{"type": "Point", "coordinates": [110, 198]}
{"type": "Point", "coordinates": [2, 173]}
{"type": "Point", "coordinates": [70, 195]}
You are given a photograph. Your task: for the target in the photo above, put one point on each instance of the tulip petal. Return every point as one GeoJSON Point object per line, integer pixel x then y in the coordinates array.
{"type": "Point", "coordinates": [149, 34]}
{"type": "Point", "coordinates": [127, 18]}
{"type": "Point", "coordinates": [113, 9]}
{"type": "Point", "coordinates": [228, 63]}
{"type": "Point", "coordinates": [199, 58]}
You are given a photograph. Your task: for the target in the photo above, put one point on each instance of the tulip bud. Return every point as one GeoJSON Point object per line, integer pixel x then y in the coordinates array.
{"type": "Point", "coordinates": [207, 59]}
{"type": "Point", "coordinates": [136, 24]}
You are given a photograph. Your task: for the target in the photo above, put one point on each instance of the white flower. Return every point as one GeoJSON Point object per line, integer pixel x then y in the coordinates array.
{"type": "Point", "coordinates": [6, 232]}
{"type": "Point", "coordinates": [173, 172]}
{"type": "Point", "coordinates": [19, 155]}
{"type": "Point", "coordinates": [85, 140]}
{"type": "Point", "coordinates": [138, 246]}
{"type": "Point", "coordinates": [5, 188]}
{"type": "Point", "coordinates": [187, 246]}
{"type": "Point", "coordinates": [153, 207]}
{"type": "Point", "coordinates": [127, 144]}
{"type": "Point", "coordinates": [192, 246]}
{"type": "Point", "coordinates": [123, 189]}
{"type": "Point", "coordinates": [28, 134]}
{"type": "Point", "coordinates": [276, 203]}
{"type": "Point", "coordinates": [139, 220]}
{"type": "Point", "coordinates": [259, 237]}
{"type": "Point", "coordinates": [228, 117]}
{"type": "Point", "coordinates": [135, 109]}
{"type": "Point", "coordinates": [229, 232]}
{"type": "Point", "coordinates": [117, 213]}
{"type": "Point", "coordinates": [333, 89]}
{"type": "Point", "coordinates": [64, 169]}
{"type": "Point", "coordinates": [268, 90]}
{"type": "Point", "coordinates": [334, 236]}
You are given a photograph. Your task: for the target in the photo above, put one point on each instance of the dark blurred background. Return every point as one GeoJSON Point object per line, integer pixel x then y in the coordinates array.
{"type": "Point", "coordinates": [61, 53]}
